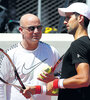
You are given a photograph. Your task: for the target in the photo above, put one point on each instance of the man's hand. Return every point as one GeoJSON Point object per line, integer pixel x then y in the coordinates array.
{"type": "Point", "coordinates": [46, 77]}
{"type": "Point", "coordinates": [50, 86]}
{"type": "Point", "coordinates": [30, 90]}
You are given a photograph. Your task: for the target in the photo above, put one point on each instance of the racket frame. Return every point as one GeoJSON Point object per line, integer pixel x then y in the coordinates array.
{"type": "Point", "coordinates": [15, 70]}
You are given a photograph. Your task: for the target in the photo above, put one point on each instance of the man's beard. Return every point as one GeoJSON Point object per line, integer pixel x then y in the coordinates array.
{"type": "Point", "coordinates": [72, 31]}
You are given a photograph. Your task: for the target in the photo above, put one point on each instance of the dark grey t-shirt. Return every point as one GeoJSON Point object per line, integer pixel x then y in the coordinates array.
{"type": "Point", "coordinates": [79, 52]}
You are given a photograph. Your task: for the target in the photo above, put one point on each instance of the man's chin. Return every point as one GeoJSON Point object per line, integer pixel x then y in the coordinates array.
{"type": "Point", "coordinates": [70, 32]}
{"type": "Point", "coordinates": [35, 40]}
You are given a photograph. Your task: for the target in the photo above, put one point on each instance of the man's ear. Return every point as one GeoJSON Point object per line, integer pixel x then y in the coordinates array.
{"type": "Point", "coordinates": [20, 29]}
{"type": "Point", "coordinates": [81, 18]}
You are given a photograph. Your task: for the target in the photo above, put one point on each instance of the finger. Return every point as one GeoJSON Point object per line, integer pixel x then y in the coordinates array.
{"type": "Point", "coordinates": [27, 94]}
{"type": "Point", "coordinates": [21, 91]}
{"type": "Point", "coordinates": [43, 80]}
{"type": "Point", "coordinates": [44, 76]}
{"type": "Point", "coordinates": [47, 74]}
{"type": "Point", "coordinates": [44, 72]}
{"type": "Point", "coordinates": [40, 79]}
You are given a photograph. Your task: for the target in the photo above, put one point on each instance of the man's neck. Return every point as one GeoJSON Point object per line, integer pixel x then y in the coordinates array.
{"type": "Point", "coordinates": [29, 46]}
{"type": "Point", "coordinates": [79, 33]}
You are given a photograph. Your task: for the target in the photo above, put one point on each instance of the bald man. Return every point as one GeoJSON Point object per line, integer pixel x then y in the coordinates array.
{"type": "Point", "coordinates": [26, 55]}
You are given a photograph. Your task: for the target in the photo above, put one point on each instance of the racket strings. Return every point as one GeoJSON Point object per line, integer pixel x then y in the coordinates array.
{"type": "Point", "coordinates": [13, 74]}
{"type": "Point", "coordinates": [15, 71]}
{"type": "Point", "coordinates": [1, 58]}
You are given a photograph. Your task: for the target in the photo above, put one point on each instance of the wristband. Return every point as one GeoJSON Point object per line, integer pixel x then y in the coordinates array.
{"type": "Point", "coordinates": [60, 83]}
{"type": "Point", "coordinates": [38, 89]}
{"type": "Point", "coordinates": [43, 91]}
{"type": "Point", "coordinates": [55, 83]}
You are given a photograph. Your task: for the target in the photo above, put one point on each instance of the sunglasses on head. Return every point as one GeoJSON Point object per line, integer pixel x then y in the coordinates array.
{"type": "Point", "coordinates": [32, 28]}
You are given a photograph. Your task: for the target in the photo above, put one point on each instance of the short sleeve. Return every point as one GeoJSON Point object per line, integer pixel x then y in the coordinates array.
{"type": "Point", "coordinates": [79, 52]}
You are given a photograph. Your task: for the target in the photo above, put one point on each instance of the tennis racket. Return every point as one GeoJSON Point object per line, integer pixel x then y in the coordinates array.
{"type": "Point", "coordinates": [15, 73]}
{"type": "Point", "coordinates": [57, 63]}
{"type": "Point", "coordinates": [11, 84]}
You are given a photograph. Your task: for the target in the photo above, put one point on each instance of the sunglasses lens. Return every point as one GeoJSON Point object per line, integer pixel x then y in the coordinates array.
{"type": "Point", "coordinates": [31, 28]}
{"type": "Point", "coordinates": [39, 27]}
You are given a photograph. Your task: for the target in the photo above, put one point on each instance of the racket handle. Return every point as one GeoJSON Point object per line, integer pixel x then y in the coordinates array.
{"type": "Point", "coordinates": [19, 79]}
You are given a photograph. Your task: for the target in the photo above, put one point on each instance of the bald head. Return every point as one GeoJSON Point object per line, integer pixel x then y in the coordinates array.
{"type": "Point", "coordinates": [29, 20]}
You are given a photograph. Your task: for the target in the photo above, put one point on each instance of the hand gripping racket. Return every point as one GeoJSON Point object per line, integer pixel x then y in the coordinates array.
{"type": "Point", "coordinates": [15, 72]}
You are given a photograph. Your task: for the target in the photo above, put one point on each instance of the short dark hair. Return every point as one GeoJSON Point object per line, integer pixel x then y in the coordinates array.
{"type": "Point", "coordinates": [86, 20]}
